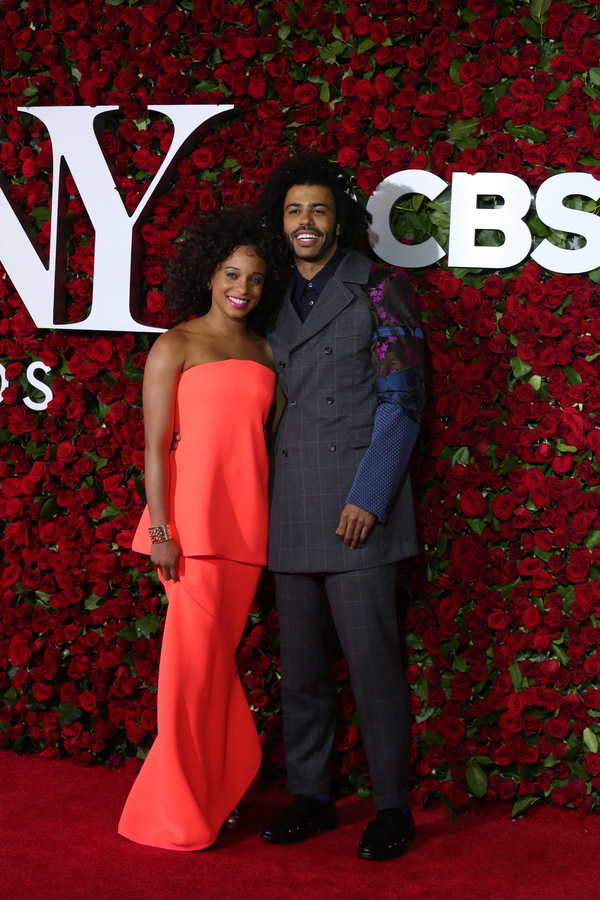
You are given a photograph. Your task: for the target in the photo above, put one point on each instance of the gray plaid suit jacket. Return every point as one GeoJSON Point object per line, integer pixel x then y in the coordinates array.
{"type": "Point", "coordinates": [325, 370]}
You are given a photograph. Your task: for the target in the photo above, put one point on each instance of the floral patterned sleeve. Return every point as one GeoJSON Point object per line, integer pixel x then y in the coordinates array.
{"type": "Point", "coordinates": [397, 350]}
{"type": "Point", "coordinates": [397, 357]}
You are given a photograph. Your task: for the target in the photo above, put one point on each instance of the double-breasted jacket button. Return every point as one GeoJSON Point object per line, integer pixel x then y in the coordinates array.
{"type": "Point", "coordinates": [284, 452]}
{"type": "Point", "coordinates": [327, 350]}
{"type": "Point", "coordinates": [331, 448]}
{"type": "Point", "coordinates": [281, 364]}
{"type": "Point", "coordinates": [329, 400]}
{"type": "Point", "coordinates": [293, 403]}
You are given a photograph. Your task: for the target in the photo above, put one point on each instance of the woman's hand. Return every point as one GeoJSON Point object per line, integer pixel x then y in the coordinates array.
{"type": "Point", "coordinates": [165, 557]}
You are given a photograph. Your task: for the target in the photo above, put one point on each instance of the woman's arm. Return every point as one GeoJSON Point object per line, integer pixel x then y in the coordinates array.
{"type": "Point", "coordinates": [163, 368]}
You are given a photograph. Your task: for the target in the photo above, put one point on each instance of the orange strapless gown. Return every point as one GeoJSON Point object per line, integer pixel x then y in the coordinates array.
{"type": "Point", "coordinates": [207, 751]}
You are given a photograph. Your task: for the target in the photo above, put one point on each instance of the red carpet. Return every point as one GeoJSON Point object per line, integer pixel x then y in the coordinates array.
{"type": "Point", "coordinates": [58, 841]}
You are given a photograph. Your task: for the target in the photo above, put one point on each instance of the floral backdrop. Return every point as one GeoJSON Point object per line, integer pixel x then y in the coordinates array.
{"type": "Point", "coordinates": [502, 630]}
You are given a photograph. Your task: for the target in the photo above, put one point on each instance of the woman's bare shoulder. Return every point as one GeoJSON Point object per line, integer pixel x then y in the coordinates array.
{"type": "Point", "coordinates": [169, 350]}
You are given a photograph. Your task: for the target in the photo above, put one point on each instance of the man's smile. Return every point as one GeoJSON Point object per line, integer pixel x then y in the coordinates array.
{"type": "Point", "coordinates": [307, 237]}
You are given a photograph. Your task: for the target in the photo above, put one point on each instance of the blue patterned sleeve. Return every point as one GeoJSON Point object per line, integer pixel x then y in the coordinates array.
{"type": "Point", "coordinates": [384, 464]}
{"type": "Point", "coordinates": [397, 357]}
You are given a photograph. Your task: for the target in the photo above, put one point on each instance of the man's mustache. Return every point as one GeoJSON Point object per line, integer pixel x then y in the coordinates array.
{"type": "Point", "coordinates": [307, 231]}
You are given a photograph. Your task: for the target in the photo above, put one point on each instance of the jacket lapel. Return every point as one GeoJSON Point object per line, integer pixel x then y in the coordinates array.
{"type": "Point", "coordinates": [354, 269]}
{"type": "Point", "coordinates": [288, 322]}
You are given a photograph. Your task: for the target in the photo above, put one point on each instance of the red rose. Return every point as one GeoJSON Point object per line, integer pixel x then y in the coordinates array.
{"type": "Point", "coordinates": [305, 93]}
{"type": "Point", "coordinates": [503, 507]}
{"type": "Point", "coordinates": [472, 502]}
{"type": "Point", "coordinates": [346, 737]}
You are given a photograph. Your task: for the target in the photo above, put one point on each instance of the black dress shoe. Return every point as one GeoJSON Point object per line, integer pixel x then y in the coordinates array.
{"type": "Point", "coordinates": [304, 817]}
{"type": "Point", "coordinates": [388, 836]}
{"type": "Point", "coordinates": [232, 821]}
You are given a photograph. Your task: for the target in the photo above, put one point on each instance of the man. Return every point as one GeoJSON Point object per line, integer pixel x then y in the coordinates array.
{"type": "Point", "coordinates": [341, 514]}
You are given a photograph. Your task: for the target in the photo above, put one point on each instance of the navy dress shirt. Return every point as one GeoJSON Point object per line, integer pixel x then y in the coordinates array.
{"type": "Point", "coordinates": [306, 293]}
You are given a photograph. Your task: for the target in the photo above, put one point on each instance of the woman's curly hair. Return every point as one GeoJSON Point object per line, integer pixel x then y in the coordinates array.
{"type": "Point", "coordinates": [209, 243]}
{"type": "Point", "coordinates": [314, 168]}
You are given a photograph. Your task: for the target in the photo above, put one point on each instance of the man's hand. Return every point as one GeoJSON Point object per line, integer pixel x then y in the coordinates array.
{"type": "Point", "coordinates": [355, 525]}
{"type": "Point", "coordinates": [175, 441]}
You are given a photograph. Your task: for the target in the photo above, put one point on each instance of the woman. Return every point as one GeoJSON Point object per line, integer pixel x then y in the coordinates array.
{"type": "Point", "coordinates": [212, 379]}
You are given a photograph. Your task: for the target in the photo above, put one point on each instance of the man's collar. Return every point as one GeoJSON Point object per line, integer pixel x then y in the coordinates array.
{"type": "Point", "coordinates": [319, 280]}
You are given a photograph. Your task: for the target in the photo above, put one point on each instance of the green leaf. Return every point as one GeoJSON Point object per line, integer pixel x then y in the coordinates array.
{"type": "Point", "coordinates": [561, 88]}
{"type": "Point", "coordinates": [115, 2]}
{"type": "Point", "coordinates": [536, 382]}
{"type": "Point", "coordinates": [463, 129]}
{"type": "Point", "coordinates": [50, 508]}
{"type": "Point", "coordinates": [594, 276]}
{"type": "Point", "coordinates": [414, 641]}
{"type": "Point", "coordinates": [590, 740]}
{"type": "Point", "coordinates": [68, 714]}
{"type": "Point", "coordinates": [476, 525]}
{"type": "Point", "coordinates": [205, 86]}
{"type": "Point", "coordinates": [572, 376]}
{"type": "Point", "coordinates": [147, 625]}
{"type": "Point", "coordinates": [536, 226]}
{"type": "Point", "coordinates": [593, 539]}
{"type": "Point", "coordinates": [431, 738]}
{"type": "Point", "coordinates": [565, 448]}
{"type": "Point", "coordinates": [366, 45]}
{"type": "Point", "coordinates": [92, 602]}
{"type": "Point", "coordinates": [523, 804]}
{"type": "Point", "coordinates": [595, 75]}
{"type": "Point", "coordinates": [516, 676]}
{"type": "Point", "coordinates": [265, 19]}
{"type": "Point", "coordinates": [477, 780]}
{"type": "Point", "coordinates": [526, 131]}
{"type": "Point", "coordinates": [284, 30]}
{"type": "Point", "coordinates": [539, 8]}
{"type": "Point", "coordinates": [41, 214]}
{"type": "Point", "coordinates": [455, 70]}
{"type": "Point", "coordinates": [568, 595]}
{"type": "Point", "coordinates": [128, 633]}
{"type": "Point", "coordinates": [291, 11]}
{"type": "Point", "coordinates": [561, 654]}
{"type": "Point", "coordinates": [520, 367]}
{"type": "Point", "coordinates": [335, 48]}
{"type": "Point", "coordinates": [10, 696]}
{"type": "Point", "coordinates": [460, 665]}
{"type": "Point", "coordinates": [324, 93]}
{"type": "Point", "coordinates": [532, 29]}
{"type": "Point", "coordinates": [131, 373]}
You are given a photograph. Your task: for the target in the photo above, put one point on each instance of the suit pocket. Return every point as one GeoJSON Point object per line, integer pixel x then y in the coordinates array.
{"type": "Point", "coordinates": [360, 436]}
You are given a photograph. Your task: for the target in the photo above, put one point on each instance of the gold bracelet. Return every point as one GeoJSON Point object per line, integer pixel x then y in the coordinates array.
{"type": "Point", "coordinates": [160, 533]}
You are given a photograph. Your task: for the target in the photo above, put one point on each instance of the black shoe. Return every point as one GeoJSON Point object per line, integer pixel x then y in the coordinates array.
{"type": "Point", "coordinates": [232, 821]}
{"type": "Point", "coordinates": [388, 836]}
{"type": "Point", "coordinates": [306, 816]}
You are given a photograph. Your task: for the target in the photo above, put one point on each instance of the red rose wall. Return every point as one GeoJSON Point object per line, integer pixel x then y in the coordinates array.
{"type": "Point", "coordinates": [502, 631]}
